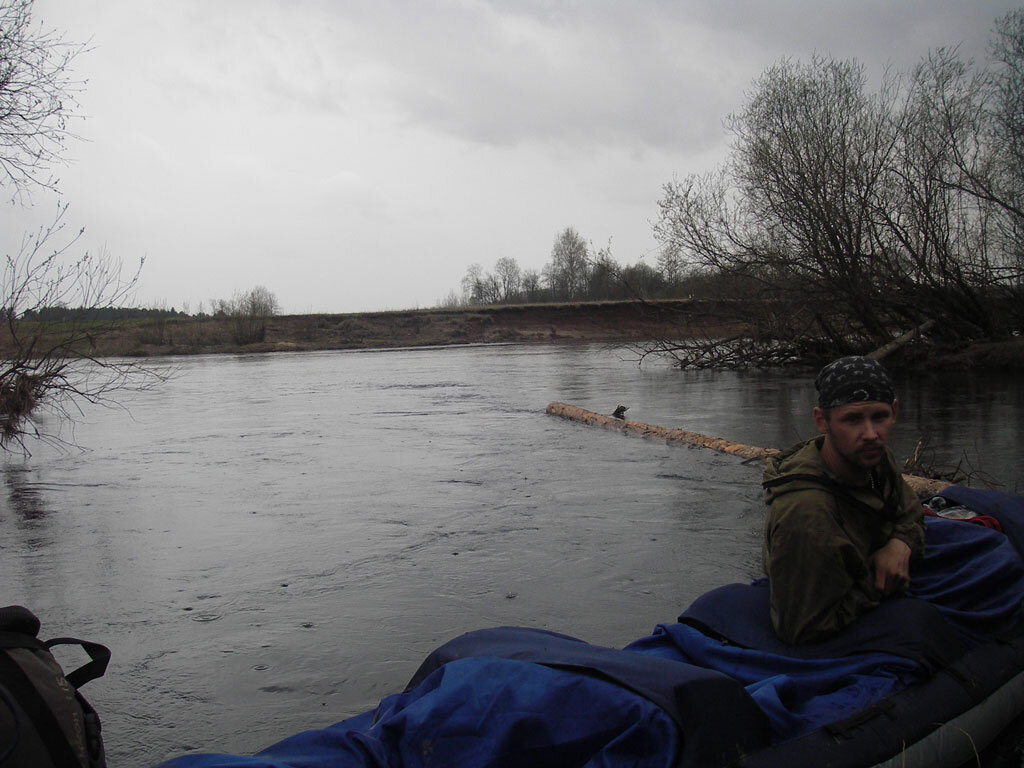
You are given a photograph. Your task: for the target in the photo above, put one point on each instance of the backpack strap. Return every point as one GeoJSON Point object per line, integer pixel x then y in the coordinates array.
{"type": "Point", "coordinates": [99, 657]}
{"type": "Point", "coordinates": [93, 733]}
{"type": "Point", "coordinates": [25, 693]}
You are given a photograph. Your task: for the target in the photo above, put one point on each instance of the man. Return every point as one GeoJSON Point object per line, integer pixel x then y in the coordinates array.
{"type": "Point", "coordinates": [842, 526]}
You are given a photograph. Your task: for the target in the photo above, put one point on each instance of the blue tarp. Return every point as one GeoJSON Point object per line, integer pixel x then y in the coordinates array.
{"type": "Point", "coordinates": [513, 697]}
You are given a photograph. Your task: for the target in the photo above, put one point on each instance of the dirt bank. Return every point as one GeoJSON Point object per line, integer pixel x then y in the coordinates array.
{"type": "Point", "coordinates": [622, 321]}
{"type": "Point", "coordinates": [619, 322]}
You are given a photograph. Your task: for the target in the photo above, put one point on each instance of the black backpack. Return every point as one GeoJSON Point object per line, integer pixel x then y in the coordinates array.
{"type": "Point", "coordinates": [44, 721]}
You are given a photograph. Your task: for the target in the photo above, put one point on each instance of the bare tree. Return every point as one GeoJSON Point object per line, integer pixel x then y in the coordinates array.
{"type": "Point", "coordinates": [261, 302]}
{"type": "Point", "coordinates": [941, 237]}
{"type": "Point", "coordinates": [531, 284]}
{"type": "Point", "coordinates": [1005, 109]}
{"type": "Point", "coordinates": [249, 312]}
{"type": "Point", "coordinates": [55, 309]}
{"type": "Point", "coordinates": [812, 147]}
{"type": "Point", "coordinates": [509, 278]}
{"type": "Point", "coordinates": [604, 277]}
{"type": "Point", "coordinates": [481, 287]}
{"type": "Point", "coordinates": [566, 273]}
{"type": "Point", "coordinates": [844, 217]}
{"type": "Point", "coordinates": [472, 283]}
{"type": "Point", "coordinates": [54, 305]}
{"type": "Point", "coordinates": [451, 301]}
{"type": "Point", "coordinates": [37, 97]}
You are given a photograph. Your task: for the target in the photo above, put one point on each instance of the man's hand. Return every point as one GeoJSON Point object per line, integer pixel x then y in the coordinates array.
{"type": "Point", "coordinates": [892, 567]}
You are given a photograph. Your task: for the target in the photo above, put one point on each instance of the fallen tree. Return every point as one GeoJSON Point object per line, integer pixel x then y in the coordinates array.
{"type": "Point", "coordinates": [899, 342]}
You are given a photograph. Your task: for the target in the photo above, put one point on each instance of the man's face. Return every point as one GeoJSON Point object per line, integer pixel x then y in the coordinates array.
{"type": "Point", "coordinates": [856, 434]}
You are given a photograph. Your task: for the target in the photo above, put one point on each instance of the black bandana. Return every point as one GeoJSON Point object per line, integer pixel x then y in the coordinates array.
{"type": "Point", "coordinates": [853, 380]}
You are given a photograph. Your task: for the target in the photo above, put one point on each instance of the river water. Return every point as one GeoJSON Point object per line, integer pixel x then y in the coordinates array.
{"type": "Point", "coordinates": [274, 542]}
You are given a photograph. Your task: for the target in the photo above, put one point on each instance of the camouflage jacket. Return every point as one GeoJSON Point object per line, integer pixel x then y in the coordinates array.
{"type": "Point", "coordinates": [820, 534]}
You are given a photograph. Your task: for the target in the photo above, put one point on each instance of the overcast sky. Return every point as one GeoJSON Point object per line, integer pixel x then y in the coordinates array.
{"type": "Point", "coordinates": [360, 155]}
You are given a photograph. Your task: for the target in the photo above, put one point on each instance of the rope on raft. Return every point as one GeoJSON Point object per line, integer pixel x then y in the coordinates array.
{"type": "Point", "coordinates": [924, 487]}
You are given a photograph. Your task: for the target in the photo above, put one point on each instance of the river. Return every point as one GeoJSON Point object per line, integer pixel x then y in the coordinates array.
{"type": "Point", "coordinates": [274, 542]}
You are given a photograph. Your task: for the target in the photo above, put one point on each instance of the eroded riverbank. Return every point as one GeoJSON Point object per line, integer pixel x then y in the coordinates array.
{"type": "Point", "coordinates": [616, 322]}
{"type": "Point", "coordinates": [612, 321]}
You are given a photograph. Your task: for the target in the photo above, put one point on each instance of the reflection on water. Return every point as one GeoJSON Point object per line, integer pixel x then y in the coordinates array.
{"type": "Point", "coordinates": [24, 498]}
{"type": "Point", "coordinates": [274, 542]}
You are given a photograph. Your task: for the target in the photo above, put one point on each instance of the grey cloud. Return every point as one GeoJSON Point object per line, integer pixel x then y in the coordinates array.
{"type": "Point", "coordinates": [506, 78]}
{"type": "Point", "coordinates": [645, 74]}
{"type": "Point", "coordinates": [870, 30]}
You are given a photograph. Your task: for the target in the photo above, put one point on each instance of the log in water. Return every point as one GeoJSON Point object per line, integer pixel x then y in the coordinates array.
{"type": "Point", "coordinates": [924, 487]}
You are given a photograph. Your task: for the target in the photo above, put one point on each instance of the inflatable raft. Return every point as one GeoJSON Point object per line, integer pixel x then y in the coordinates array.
{"type": "Point", "coordinates": [932, 679]}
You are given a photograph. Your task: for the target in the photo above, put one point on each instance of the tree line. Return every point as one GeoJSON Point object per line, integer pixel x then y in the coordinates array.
{"type": "Point", "coordinates": [576, 272]}
{"type": "Point", "coordinates": [259, 301]}
{"type": "Point", "coordinates": [248, 312]}
{"type": "Point", "coordinates": [63, 314]}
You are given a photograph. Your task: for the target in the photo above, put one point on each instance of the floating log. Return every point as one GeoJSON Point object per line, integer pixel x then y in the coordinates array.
{"type": "Point", "coordinates": [923, 486]}
{"type": "Point", "coordinates": [661, 433]}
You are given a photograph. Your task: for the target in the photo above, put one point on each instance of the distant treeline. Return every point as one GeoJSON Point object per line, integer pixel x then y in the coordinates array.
{"type": "Point", "coordinates": [250, 307]}
{"type": "Point", "coordinates": [576, 272]}
{"type": "Point", "coordinates": [60, 314]}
